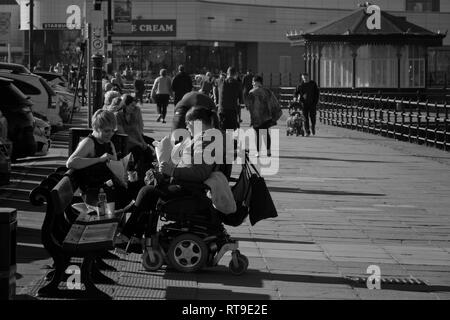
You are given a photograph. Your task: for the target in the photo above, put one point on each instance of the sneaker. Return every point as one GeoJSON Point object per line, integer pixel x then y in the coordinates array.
{"type": "Point", "coordinates": [313, 132]}
{"type": "Point", "coordinates": [308, 134]}
{"type": "Point", "coordinates": [164, 121]}
{"type": "Point", "coordinates": [269, 154]}
{"type": "Point", "coordinates": [159, 118]}
{"type": "Point", "coordinates": [257, 154]}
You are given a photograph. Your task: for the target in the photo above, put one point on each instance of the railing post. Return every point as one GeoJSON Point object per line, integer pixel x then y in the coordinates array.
{"type": "Point", "coordinates": [427, 122]}
{"type": "Point", "coordinates": [410, 120]}
{"type": "Point", "coordinates": [418, 122]}
{"type": "Point", "coordinates": [271, 80]}
{"type": "Point", "coordinates": [436, 125]}
{"type": "Point", "coordinates": [446, 126]}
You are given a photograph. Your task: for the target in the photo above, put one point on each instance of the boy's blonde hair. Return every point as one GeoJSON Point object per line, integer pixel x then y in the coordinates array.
{"type": "Point", "coordinates": [102, 119]}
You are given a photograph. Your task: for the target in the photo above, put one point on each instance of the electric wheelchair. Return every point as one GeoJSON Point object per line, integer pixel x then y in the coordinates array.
{"type": "Point", "coordinates": [193, 235]}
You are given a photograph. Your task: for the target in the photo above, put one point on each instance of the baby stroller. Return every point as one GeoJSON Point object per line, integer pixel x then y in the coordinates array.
{"type": "Point", "coordinates": [193, 236]}
{"type": "Point", "coordinates": [294, 124]}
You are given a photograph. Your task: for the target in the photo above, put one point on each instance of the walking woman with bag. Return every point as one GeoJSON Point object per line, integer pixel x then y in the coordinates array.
{"type": "Point", "coordinates": [264, 112]}
{"type": "Point", "coordinates": [162, 90]}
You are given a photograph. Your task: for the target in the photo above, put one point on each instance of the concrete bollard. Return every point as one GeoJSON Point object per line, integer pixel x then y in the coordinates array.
{"type": "Point", "coordinates": [8, 242]}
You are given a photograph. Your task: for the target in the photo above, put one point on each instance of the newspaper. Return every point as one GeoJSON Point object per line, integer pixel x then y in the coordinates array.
{"type": "Point", "coordinates": [119, 168]}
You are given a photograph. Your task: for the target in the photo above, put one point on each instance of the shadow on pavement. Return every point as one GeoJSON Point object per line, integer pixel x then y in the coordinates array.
{"type": "Point", "coordinates": [174, 293]}
{"type": "Point", "coordinates": [271, 240]}
{"type": "Point", "coordinates": [324, 192]}
{"type": "Point", "coordinates": [333, 159]}
{"type": "Point", "coordinates": [255, 278]}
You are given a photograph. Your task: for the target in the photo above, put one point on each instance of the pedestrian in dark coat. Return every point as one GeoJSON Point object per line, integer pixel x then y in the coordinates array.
{"type": "Point", "coordinates": [181, 84]}
{"type": "Point", "coordinates": [308, 94]}
{"type": "Point", "coordinates": [230, 98]}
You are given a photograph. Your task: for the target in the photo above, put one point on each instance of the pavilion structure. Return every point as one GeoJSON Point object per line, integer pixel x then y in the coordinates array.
{"type": "Point", "coordinates": [368, 48]}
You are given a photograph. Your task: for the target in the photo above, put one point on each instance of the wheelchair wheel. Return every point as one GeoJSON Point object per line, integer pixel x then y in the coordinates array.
{"type": "Point", "coordinates": [242, 264]}
{"type": "Point", "coordinates": [152, 262]}
{"type": "Point", "coordinates": [187, 253]}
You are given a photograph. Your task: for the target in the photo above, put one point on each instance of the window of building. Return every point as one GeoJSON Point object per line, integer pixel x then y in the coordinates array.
{"type": "Point", "coordinates": [336, 69]}
{"type": "Point", "coordinates": [413, 67]}
{"type": "Point", "coordinates": [376, 66]}
{"type": "Point", "coordinates": [423, 5]}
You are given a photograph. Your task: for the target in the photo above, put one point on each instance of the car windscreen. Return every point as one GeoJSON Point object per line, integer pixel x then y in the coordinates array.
{"type": "Point", "coordinates": [47, 87]}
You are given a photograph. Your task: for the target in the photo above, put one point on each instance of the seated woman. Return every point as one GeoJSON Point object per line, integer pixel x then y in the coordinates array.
{"type": "Point", "coordinates": [129, 121]}
{"type": "Point", "coordinates": [186, 172]}
{"type": "Point", "coordinates": [91, 155]}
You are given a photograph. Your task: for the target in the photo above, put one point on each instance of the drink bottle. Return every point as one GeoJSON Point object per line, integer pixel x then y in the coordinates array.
{"type": "Point", "coordinates": [101, 202]}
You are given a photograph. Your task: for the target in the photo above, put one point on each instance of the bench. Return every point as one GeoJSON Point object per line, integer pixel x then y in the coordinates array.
{"type": "Point", "coordinates": [64, 240]}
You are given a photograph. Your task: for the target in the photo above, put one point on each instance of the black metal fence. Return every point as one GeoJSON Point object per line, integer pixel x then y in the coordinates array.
{"type": "Point", "coordinates": [417, 122]}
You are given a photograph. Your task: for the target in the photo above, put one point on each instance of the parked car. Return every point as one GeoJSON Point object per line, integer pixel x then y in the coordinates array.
{"type": "Point", "coordinates": [46, 103]}
{"type": "Point", "coordinates": [30, 136]}
{"type": "Point", "coordinates": [16, 108]}
{"type": "Point", "coordinates": [53, 78]}
{"type": "Point", "coordinates": [59, 84]}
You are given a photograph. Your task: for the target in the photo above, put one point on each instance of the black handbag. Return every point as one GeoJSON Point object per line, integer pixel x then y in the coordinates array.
{"type": "Point", "coordinates": [260, 202]}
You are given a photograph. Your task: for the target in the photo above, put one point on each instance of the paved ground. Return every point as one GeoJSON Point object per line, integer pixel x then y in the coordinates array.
{"type": "Point", "coordinates": [345, 199]}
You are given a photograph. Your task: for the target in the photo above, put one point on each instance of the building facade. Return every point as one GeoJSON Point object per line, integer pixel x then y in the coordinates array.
{"type": "Point", "coordinates": [214, 34]}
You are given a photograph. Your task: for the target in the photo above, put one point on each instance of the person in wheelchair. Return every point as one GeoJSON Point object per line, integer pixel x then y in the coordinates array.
{"type": "Point", "coordinates": [184, 178]}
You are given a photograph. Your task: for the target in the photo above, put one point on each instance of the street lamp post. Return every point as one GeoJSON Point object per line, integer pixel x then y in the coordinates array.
{"type": "Point", "coordinates": [30, 36]}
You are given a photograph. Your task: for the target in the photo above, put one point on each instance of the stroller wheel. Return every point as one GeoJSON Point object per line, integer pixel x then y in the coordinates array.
{"type": "Point", "coordinates": [241, 266]}
{"type": "Point", "coordinates": [187, 253]}
{"type": "Point", "coordinates": [152, 260]}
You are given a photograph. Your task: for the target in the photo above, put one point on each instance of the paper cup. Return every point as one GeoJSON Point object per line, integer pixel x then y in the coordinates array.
{"type": "Point", "coordinates": [110, 208]}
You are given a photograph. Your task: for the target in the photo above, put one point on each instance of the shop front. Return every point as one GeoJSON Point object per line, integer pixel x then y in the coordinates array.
{"type": "Point", "coordinates": [197, 56]}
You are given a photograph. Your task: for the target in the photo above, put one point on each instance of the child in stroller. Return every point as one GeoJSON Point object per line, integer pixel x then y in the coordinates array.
{"type": "Point", "coordinates": [294, 124]}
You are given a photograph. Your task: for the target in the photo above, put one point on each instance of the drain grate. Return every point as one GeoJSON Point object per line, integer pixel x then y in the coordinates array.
{"type": "Point", "coordinates": [390, 280]}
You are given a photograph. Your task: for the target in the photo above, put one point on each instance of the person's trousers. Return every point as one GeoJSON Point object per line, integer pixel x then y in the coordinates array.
{"type": "Point", "coordinates": [139, 96]}
{"type": "Point", "coordinates": [162, 100]}
{"type": "Point", "coordinates": [310, 116]}
{"type": "Point", "coordinates": [260, 132]}
{"type": "Point", "coordinates": [144, 218]}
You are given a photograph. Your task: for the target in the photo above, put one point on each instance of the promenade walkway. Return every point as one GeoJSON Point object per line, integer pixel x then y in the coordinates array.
{"type": "Point", "coordinates": [346, 200]}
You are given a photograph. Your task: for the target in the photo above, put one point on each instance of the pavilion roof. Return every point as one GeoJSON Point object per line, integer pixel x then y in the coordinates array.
{"type": "Point", "coordinates": [353, 28]}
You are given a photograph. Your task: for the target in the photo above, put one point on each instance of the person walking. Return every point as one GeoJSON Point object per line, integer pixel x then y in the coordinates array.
{"type": "Point", "coordinates": [181, 84]}
{"type": "Point", "coordinates": [162, 90]}
{"type": "Point", "coordinates": [230, 97]}
{"type": "Point", "coordinates": [139, 88]}
{"type": "Point", "coordinates": [247, 85]}
{"type": "Point", "coordinates": [259, 99]}
{"type": "Point", "coordinates": [118, 81]}
{"type": "Point", "coordinates": [308, 94]}
{"type": "Point", "coordinates": [207, 85]}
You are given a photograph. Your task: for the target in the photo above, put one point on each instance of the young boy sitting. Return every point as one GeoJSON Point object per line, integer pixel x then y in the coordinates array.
{"type": "Point", "coordinates": [295, 123]}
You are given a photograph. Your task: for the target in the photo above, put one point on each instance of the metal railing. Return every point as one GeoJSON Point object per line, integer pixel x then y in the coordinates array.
{"type": "Point", "coordinates": [417, 122]}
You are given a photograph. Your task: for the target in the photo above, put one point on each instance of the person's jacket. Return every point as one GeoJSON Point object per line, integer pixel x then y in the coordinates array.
{"type": "Point", "coordinates": [309, 93]}
{"type": "Point", "coordinates": [162, 85]}
{"type": "Point", "coordinates": [186, 169]}
{"type": "Point", "coordinates": [181, 84]}
{"type": "Point", "coordinates": [230, 94]}
{"type": "Point", "coordinates": [259, 99]}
